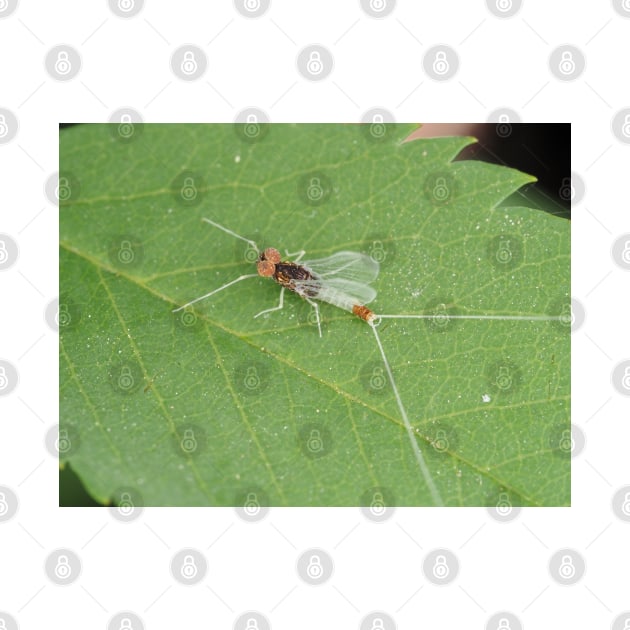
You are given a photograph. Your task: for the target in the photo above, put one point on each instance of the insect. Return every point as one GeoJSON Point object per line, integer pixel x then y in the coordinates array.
{"type": "Point", "coordinates": [342, 280]}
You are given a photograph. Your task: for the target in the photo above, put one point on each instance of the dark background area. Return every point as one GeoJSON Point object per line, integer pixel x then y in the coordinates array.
{"type": "Point", "coordinates": [539, 149]}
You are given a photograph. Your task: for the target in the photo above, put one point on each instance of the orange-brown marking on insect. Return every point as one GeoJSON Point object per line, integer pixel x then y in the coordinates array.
{"type": "Point", "coordinates": [363, 312]}
{"type": "Point", "coordinates": [267, 261]}
{"type": "Point", "coordinates": [265, 268]}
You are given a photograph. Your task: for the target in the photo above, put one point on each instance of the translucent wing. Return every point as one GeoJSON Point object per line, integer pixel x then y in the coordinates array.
{"type": "Point", "coordinates": [337, 291]}
{"type": "Point", "coordinates": [362, 293]}
{"type": "Point", "coordinates": [352, 266]}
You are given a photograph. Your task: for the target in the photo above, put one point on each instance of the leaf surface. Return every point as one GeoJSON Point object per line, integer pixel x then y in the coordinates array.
{"type": "Point", "coordinates": [209, 406]}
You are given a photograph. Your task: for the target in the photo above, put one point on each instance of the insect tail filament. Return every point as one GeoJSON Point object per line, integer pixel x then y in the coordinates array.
{"type": "Point", "coordinates": [428, 479]}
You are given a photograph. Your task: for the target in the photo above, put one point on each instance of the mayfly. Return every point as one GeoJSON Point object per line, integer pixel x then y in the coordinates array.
{"type": "Point", "coordinates": [343, 280]}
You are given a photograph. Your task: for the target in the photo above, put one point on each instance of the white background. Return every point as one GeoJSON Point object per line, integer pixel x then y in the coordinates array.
{"type": "Point", "coordinates": [251, 62]}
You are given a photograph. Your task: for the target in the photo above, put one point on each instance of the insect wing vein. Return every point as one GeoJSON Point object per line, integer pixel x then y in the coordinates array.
{"type": "Point", "coordinates": [337, 291]}
{"type": "Point", "coordinates": [353, 266]}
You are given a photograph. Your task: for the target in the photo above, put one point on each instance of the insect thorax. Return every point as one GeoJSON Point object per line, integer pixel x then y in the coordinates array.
{"type": "Point", "coordinates": [287, 273]}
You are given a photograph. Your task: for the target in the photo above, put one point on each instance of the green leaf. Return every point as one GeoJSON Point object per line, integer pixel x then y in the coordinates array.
{"type": "Point", "coordinates": [209, 406]}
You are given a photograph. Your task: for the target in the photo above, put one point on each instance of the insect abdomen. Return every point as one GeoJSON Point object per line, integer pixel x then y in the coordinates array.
{"type": "Point", "coordinates": [363, 312]}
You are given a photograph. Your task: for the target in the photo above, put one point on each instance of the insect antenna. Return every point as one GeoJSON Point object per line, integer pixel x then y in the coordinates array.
{"type": "Point", "coordinates": [229, 284]}
{"type": "Point", "coordinates": [234, 234]}
{"type": "Point", "coordinates": [207, 295]}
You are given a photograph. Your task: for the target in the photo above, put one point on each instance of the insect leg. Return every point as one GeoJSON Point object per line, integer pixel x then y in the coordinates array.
{"type": "Point", "coordinates": [316, 308]}
{"type": "Point", "coordinates": [299, 254]}
{"type": "Point", "coordinates": [275, 308]}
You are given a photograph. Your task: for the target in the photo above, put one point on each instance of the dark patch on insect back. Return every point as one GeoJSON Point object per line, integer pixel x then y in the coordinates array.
{"type": "Point", "coordinates": [287, 273]}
